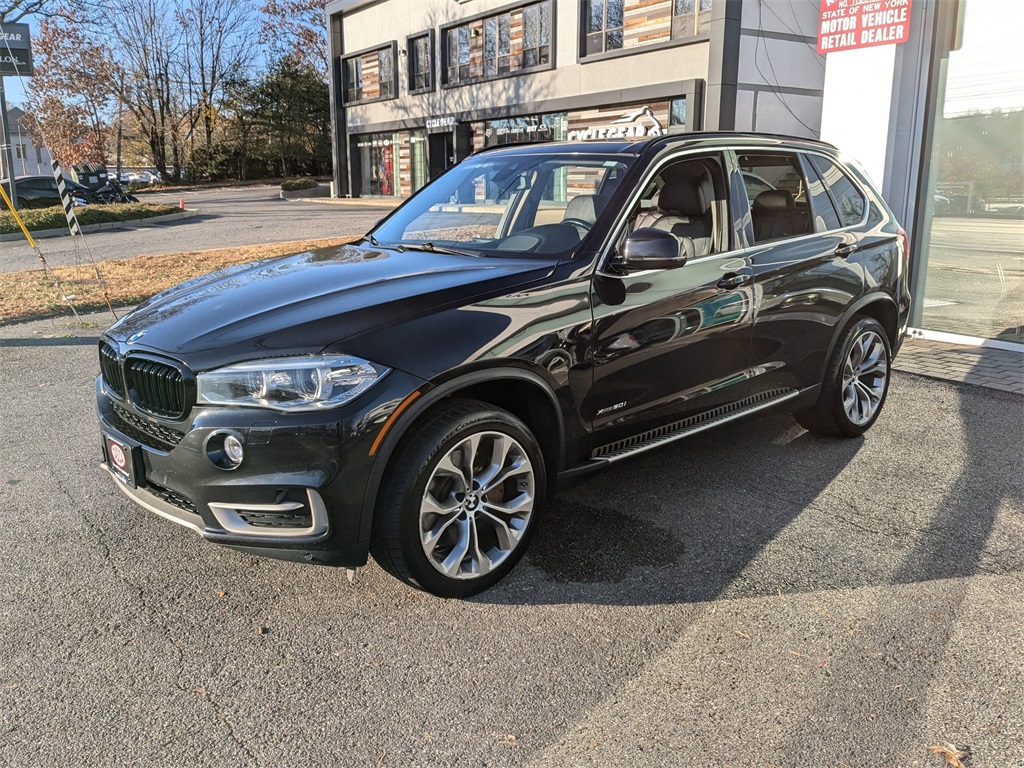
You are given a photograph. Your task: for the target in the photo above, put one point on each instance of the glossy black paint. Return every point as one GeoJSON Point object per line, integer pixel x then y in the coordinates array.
{"type": "Point", "coordinates": [584, 353]}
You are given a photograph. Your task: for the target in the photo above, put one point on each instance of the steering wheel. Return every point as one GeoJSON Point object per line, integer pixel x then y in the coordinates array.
{"type": "Point", "coordinates": [580, 224]}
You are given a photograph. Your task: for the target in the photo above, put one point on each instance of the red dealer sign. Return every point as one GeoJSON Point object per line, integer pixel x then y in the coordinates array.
{"type": "Point", "coordinates": [848, 24]}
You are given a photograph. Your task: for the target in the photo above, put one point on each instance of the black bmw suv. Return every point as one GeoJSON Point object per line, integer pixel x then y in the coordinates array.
{"type": "Point", "coordinates": [536, 312]}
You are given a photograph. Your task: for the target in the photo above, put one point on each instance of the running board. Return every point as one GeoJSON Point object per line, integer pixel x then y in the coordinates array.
{"type": "Point", "coordinates": [690, 426]}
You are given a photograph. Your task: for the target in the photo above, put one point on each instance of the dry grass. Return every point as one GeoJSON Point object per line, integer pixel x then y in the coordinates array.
{"type": "Point", "coordinates": [31, 294]}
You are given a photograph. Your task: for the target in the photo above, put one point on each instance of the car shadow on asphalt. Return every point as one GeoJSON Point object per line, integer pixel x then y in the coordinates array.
{"type": "Point", "coordinates": [694, 522]}
{"type": "Point", "coordinates": [679, 524]}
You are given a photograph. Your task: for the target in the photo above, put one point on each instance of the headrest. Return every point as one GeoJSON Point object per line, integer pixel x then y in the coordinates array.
{"type": "Point", "coordinates": [774, 200]}
{"type": "Point", "coordinates": [585, 207]}
{"type": "Point", "coordinates": [683, 196]}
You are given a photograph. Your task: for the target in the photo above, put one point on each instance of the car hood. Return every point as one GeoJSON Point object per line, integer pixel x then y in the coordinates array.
{"type": "Point", "coordinates": [303, 303]}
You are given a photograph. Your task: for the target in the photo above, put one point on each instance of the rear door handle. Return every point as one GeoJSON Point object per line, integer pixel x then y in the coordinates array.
{"type": "Point", "coordinates": [733, 281]}
{"type": "Point", "coordinates": [844, 251]}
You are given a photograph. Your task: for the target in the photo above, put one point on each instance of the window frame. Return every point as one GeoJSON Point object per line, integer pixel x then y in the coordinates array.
{"type": "Point", "coordinates": [410, 43]}
{"type": "Point", "coordinates": [357, 56]}
{"type": "Point", "coordinates": [502, 61]}
{"type": "Point", "coordinates": [586, 32]}
{"type": "Point", "coordinates": [850, 177]}
{"type": "Point", "coordinates": [583, 57]}
{"type": "Point", "coordinates": [695, 30]}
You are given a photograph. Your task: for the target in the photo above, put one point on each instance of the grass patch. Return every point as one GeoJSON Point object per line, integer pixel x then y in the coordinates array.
{"type": "Point", "coordinates": [37, 219]}
{"type": "Point", "coordinates": [30, 294]}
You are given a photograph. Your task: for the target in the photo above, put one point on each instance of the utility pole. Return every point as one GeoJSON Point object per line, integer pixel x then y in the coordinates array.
{"type": "Point", "coordinates": [17, 39]}
{"type": "Point", "coordinates": [8, 155]}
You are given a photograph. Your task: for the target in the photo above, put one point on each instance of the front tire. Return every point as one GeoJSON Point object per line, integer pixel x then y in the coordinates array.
{"type": "Point", "coordinates": [459, 500]}
{"type": "Point", "coordinates": [856, 382]}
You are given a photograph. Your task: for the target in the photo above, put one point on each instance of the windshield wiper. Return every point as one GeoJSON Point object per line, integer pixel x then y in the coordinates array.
{"type": "Point", "coordinates": [432, 248]}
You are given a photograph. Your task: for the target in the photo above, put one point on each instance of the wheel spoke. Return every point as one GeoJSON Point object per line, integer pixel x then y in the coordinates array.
{"type": "Point", "coordinates": [437, 531]}
{"type": "Point", "coordinates": [483, 563]}
{"type": "Point", "coordinates": [518, 467]}
{"type": "Point", "coordinates": [512, 506]}
{"type": "Point", "coordinates": [453, 562]}
{"type": "Point", "coordinates": [447, 466]}
{"type": "Point", "coordinates": [507, 536]}
{"type": "Point", "coordinates": [500, 446]}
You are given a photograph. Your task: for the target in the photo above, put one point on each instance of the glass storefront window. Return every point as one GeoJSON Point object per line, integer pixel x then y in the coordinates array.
{"type": "Point", "coordinates": [514, 130]}
{"type": "Point", "coordinates": [972, 232]}
{"type": "Point", "coordinates": [377, 155]}
{"type": "Point", "coordinates": [418, 159]}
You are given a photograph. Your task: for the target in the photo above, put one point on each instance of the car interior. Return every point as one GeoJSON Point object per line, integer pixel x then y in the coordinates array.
{"type": "Point", "coordinates": [688, 200]}
{"type": "Point", "coordinates": [783, 210]}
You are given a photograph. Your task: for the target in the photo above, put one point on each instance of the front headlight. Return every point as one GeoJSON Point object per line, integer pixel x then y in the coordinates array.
{"type": "Point", "coordinates": [289, 383]}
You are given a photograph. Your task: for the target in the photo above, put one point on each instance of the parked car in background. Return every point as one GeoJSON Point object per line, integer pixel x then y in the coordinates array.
{"type": "Point", "coordinates": [534, 313]}
{"type": "Point", "coordinates": [148, 177]}
{"type": "Point", "coordinates": [42, 192]}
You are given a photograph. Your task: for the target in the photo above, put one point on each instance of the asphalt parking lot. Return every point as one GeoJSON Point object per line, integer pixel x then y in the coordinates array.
{"type": "Point", "coordinates": [755, 596]}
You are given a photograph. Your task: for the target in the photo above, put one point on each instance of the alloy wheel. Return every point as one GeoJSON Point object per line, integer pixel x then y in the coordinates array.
{"type": "Point", "coordinates": [865, 374]}
{"type": "Point", "coordinates": [477, 505]}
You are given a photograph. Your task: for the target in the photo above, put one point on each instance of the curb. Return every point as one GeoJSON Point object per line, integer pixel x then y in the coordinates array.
{"type": "Point", "coordinates": [354, 202]}
{"type": "Point", "coordinates": [130, 224]}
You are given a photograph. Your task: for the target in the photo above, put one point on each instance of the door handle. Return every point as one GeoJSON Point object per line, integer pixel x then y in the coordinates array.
{"type": "Point", "coordinates": [844, 251]}
{"type": "Point", "coordinates": [733, 281]}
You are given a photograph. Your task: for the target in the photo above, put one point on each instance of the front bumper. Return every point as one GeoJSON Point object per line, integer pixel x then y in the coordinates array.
{"type": "Point", "coordinates": [298, 493]}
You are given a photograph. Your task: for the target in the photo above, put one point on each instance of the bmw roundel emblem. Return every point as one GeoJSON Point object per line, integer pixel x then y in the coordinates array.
{"type": "Point", "coordinates": [136, 336]}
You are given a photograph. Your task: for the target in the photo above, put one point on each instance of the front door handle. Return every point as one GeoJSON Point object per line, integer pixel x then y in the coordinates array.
{"type": "Point", "coordinates": [733, 281]}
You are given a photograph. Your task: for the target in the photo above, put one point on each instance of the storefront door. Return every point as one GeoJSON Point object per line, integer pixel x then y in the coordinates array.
{"type": "Point", "coordinates": [440, 152]}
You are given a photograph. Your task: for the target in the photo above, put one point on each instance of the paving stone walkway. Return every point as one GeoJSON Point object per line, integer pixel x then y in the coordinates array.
{"type": "Point", "coordinates": [980, 366]}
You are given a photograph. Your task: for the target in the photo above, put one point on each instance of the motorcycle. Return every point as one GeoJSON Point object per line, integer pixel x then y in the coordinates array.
{"type": "Point", "coordinates": [112, 192]}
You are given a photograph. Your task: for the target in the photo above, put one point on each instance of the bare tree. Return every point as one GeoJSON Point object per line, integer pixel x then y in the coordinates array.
{"type": "Point", "coordinates": [217, 35]}
{"type": "Point", "coordinates": [297, 28]}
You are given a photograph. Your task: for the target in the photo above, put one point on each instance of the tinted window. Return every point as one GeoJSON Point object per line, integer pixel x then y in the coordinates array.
{"type": "Point", "coordinates": [778, 191]}
{"type": "Point", "coordinates": [824, 212]}
{"type": "Point", "coordinates": [848, 199]}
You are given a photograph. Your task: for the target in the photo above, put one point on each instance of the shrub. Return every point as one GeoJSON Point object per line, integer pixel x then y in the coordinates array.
{"type": "Point", "coordinates": [291, 185]}
{"type": "Point", "coordinates": [37, 219]}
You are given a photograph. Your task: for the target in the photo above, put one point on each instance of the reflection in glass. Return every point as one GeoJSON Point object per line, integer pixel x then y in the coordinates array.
{"type": "Point", "coordinates": [973, 228]}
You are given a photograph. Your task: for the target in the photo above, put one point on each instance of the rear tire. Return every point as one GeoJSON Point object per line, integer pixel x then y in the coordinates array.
{"type": "Point", "coordinates": [856, 382]}
{"type": "Point", "coordinates": [459, 501]}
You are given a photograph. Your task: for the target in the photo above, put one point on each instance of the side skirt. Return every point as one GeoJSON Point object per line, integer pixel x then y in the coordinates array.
{"type": "Point", "coordinates": [677, 430]}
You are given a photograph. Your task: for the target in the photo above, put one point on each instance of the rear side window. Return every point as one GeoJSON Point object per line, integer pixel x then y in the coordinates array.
{"type": "Point", "coordinates": [778, 195]}
{"type": "Point", "coordinates": [849, 200]}
{"type": "Point", "coordinates": [826, 219]}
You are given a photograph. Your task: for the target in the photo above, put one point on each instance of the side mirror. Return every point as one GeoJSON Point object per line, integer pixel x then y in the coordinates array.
{"type": "Point", "coordinates": [649, 248]}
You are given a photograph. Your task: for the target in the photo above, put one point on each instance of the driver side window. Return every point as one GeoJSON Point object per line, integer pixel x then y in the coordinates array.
{"type": "Point", "coordinates": [687, 198]}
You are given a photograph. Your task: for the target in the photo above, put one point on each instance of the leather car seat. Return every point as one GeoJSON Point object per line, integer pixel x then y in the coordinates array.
{"type": "Point", "coordinates": [774, 215]}
{"type": "Point", "coordinates": [685, 207]}
{"type": "Point", "coordinates": [584, 208]}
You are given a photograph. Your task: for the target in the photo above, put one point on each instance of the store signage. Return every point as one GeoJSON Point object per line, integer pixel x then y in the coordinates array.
{"type": "Point", "coordinates": [373, 143]}
{"type": "Point", "coordinates": [15, 50]}
{"type": "Point", "coordinates": [848, 24]}
{"type": "Point", "coordinates": [637, 124]}
{"type": "Point", "coordinates": [447, 121]}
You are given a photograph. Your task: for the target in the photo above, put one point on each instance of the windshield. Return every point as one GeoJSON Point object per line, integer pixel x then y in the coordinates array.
{"type": "Point", "coordinates": [508, 205]}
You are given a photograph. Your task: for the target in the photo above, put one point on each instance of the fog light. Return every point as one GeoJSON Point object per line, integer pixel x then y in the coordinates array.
{"type": "Point", "coordinates": [233, 449]}
{"type": "Point", "coordinates": [224, 450]}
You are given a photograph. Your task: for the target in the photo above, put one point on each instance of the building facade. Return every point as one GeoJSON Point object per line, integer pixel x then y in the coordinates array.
{"type": "Point", "coordinates": [418, 85]}
{"type": "Point", "coordinates": [30, 157]}
{"type": "Point", "coordinates": [936, 120]}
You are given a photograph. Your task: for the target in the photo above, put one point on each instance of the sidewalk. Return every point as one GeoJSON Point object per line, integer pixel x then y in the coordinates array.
{"type": "Point", "coordinates": [980, 366]}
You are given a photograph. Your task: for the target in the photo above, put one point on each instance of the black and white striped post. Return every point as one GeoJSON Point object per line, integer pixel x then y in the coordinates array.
{"type": "Point", "coordinates": [65, 199]}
